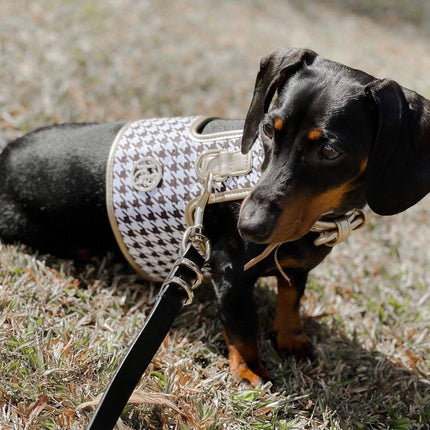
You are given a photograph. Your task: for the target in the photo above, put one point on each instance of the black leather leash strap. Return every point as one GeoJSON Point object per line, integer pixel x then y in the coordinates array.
{"type": "Point", "coordinates": [167, 306]}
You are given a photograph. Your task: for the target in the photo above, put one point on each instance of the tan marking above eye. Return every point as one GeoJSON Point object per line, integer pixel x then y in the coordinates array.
{"type": "Point", "coordinates": [278, 124]}
{"type": "Point", "coordinates": [315, 134]}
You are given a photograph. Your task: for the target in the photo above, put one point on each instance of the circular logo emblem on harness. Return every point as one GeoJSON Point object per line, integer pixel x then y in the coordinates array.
{"type": "Point", "coordinates": [146, 174]}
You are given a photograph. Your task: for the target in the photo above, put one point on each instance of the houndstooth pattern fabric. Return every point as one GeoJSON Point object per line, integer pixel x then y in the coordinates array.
{"type": "Point", "coordinates": [151, 224]}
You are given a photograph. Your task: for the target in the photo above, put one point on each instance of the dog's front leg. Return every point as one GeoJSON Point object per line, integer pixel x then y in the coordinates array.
{"type": "Point", "coordinates": [239, 317]}
{"type": "Point", "coordinates": [288, 332]}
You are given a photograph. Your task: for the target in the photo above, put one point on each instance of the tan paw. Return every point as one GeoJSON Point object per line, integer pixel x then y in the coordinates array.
{"type": "Point", "coordinates": [249, 369]}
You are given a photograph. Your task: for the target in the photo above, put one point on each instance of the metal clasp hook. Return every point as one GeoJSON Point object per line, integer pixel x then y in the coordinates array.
{"type": "Point", "coordinates": [203, 201]}
{"type": "Point", "coordinates": [195, 232]}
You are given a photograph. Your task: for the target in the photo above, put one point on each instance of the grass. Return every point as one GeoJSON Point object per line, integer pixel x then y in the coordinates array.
{"type": "Point", "coordinates": [64, 326]}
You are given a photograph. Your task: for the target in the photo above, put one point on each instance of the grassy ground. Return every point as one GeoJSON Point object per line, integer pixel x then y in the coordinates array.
{"type": "Point", "coordinates": [64, 327]}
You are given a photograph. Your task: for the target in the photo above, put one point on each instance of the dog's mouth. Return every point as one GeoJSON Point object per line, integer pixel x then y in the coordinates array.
{"type": "Point", "coordinates": [250, 236]}
{"type": "Point", "coordinates": [270, 229]}
{"type": "Point", "coordinates": [270, 224]}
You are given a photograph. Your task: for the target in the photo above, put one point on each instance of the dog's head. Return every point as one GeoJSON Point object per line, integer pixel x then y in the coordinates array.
{"type": "Point", "coordinates": [334, 138]}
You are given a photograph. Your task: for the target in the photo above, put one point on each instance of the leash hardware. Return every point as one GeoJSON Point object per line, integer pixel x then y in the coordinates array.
{"type": "Point", "coordinates": [178, 281]}
{"type": "Point", "coordinates": [203, 200]}
{"type": "Point", "coordinates": [193, 237]}
{"type": "Point", "coordinates": [195, 233]}
{"type": "Point", "coordinates": [188, 287]}
{"type": "Point", "coordinates": [223, 164]}
{"type": "Point", "coordinates": [191, 266]}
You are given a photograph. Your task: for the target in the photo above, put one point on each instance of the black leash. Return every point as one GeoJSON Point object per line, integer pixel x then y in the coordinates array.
{"type": "Point", "coordinates": [176, 291]}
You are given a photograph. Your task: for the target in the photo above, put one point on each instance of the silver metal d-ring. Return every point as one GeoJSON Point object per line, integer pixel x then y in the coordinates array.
{"type": "Point", "coordinates": [193, 266]}
{"type": "Point", "coordinates": [177, 280]}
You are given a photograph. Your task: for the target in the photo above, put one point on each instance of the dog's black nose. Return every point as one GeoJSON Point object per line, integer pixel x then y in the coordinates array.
{"type": "Point", "coordinates": [254, 226]}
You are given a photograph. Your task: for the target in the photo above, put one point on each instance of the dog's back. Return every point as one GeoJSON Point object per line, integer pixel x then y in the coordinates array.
{"type": "Point", "coordinates": [52, 187]}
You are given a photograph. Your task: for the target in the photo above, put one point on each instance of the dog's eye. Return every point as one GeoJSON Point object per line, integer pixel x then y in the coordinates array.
{"type": "Point", "coordinates": [268, 130]}
{"type": "Point", "coordinates": [329, 152]}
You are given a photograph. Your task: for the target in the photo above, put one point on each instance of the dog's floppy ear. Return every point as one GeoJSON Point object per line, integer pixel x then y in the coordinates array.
{"type": "Point", "coordinates": [398, 170]}
{"type": "Point", "coordinates": [275, 69]}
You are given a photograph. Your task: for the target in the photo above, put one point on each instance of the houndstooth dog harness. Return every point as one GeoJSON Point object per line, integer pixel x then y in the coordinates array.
{"type": "Point", "coordinates": [155, 172]}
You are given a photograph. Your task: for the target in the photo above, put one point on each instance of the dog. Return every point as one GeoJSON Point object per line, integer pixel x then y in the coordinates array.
{"type": "Point", "coordinates": [334, 139]}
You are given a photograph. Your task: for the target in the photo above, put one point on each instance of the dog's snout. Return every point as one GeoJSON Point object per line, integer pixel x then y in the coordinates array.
{"type": "Point", "coordinates": [253, 230]}
{"type": "Point", "coordinates": [255, 222]}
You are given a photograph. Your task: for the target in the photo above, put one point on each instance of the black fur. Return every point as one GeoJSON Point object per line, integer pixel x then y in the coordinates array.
{"type": "Point", "coordinates": [52, 188]}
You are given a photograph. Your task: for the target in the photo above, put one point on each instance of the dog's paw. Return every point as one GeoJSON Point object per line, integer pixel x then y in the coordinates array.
{"type": "Point", "coordinates": [246, 374]}
{"type": "Point", "coordinates": [292, 343]}
{"type": "Point", "coordinates": [245, 377]}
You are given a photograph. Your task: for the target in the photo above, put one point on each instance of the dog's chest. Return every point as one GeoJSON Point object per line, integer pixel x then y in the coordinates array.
{"type": "Point", "coordinates": [152, 177]}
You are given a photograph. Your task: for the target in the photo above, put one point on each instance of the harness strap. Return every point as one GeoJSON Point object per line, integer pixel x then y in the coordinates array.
{"type": "Point", "coordinates": [223, 164]}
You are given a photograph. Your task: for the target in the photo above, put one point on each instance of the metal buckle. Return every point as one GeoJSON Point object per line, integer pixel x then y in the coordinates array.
{"type": "Point", "coordinates": [223, 164]}
{"type": "Point", "coordinates": [339, 229]}
{"type": "Point", "coordinates": [193, 236]}
{"type": "Point", "coordinates": [203, 163]}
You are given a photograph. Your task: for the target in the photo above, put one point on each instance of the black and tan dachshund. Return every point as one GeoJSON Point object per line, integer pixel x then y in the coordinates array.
{"type": "Point", "coordinates": [334, 138]}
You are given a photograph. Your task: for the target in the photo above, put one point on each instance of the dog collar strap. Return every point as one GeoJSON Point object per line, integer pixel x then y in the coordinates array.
{"type": "Point", "coordinates": [337, 230]}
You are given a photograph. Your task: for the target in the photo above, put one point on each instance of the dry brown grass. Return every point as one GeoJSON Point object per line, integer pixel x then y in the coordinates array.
{"type": "Point", "coordinates": [65, 327]}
